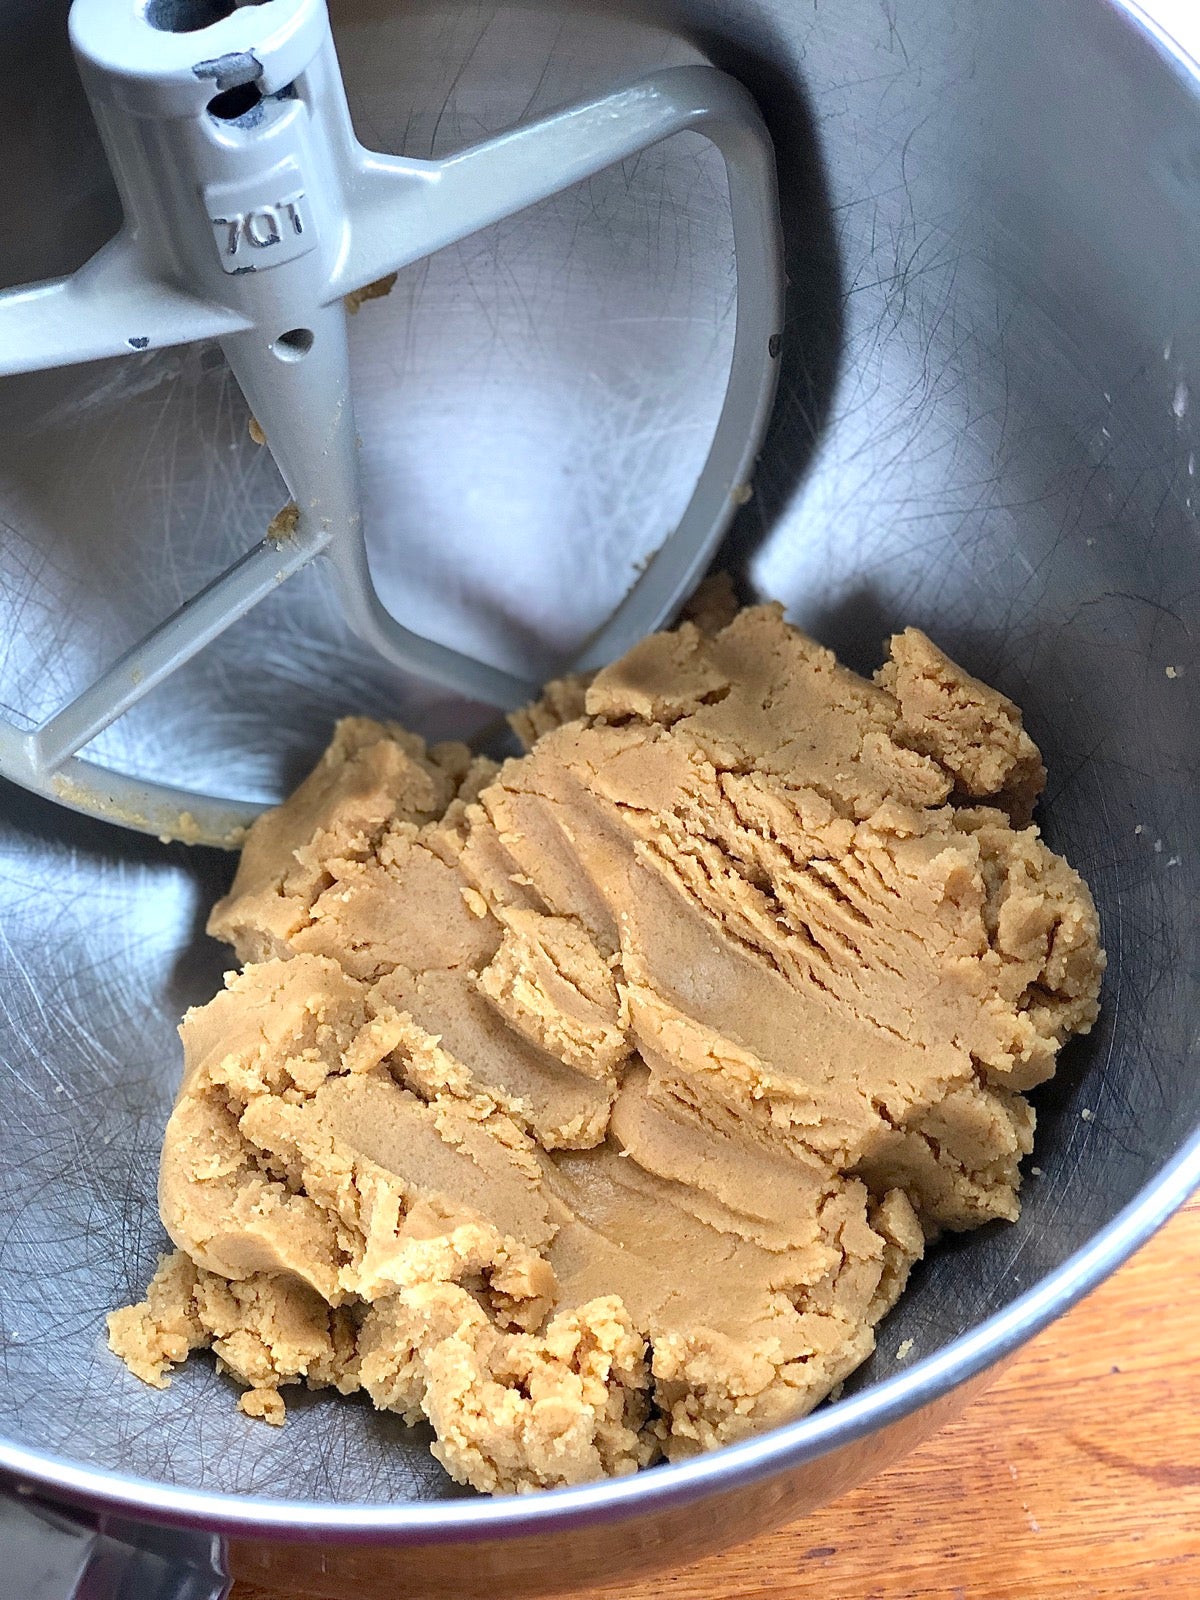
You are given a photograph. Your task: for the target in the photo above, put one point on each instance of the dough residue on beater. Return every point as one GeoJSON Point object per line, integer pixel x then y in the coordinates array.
{"type": "Point", "coordinates": [595, 1106]}
{"type": "Point", "coordinates": [370, 291]}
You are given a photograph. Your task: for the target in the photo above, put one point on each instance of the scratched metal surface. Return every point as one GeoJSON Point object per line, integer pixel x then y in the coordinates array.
{"type": "Point", "coordinates": [985, 427]}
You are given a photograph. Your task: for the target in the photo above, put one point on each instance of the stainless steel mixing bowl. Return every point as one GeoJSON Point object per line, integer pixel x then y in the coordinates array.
{"type": "Point", "coordinates": [985, 426]}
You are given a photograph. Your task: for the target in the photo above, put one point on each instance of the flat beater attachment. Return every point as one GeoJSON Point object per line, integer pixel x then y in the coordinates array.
{"type": "Point", "coordinates": [250, 212]}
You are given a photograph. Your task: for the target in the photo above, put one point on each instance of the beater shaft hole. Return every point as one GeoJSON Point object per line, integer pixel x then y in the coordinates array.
{"type": "Point", "coordinates": [187, 16]}
{"type": "Point", "coordinates": [234, 103]}
{"type": "Point", "coordinates": [293, 344]}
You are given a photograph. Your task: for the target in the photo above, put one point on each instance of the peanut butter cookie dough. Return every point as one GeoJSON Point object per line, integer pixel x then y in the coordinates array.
{"type": "Point", "coordinates": [595, 1106]}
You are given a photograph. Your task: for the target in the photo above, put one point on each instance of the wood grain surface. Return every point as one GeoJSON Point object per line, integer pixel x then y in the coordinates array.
{"type": "Point", "coordinates": [1077, 1474]}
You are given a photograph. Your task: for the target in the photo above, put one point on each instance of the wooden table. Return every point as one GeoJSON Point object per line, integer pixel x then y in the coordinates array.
{"type": "Point", "coordinates": [1077, 1474]}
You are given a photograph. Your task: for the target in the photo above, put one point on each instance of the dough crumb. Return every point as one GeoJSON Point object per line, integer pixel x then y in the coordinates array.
{"type": "Point", "coordinates": [265, 1404]}
{"type": "Point", "coordinates": [370, 291]}
{"type": "Point", "coordinates": [164, 1328]}
{"type": "Point", "coordinates": [284, 523]}
{"type": "Point", "coordinates": [595, 1107]}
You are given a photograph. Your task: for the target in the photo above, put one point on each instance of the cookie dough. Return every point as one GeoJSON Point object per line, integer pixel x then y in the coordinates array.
{"type": "Point", "coordinates": [595, 1106]}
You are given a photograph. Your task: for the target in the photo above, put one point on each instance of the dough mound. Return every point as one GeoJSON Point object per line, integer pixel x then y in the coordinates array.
{"type": "Point", "coordinates": [595, 1106]}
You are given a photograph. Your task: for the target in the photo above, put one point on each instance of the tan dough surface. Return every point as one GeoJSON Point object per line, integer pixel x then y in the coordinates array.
{"type": "Point", "coordinates": [595, 1107]}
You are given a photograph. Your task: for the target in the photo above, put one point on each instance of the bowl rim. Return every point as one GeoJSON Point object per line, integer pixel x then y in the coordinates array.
{"type": "Point", "coordinates": [64, 1481]}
